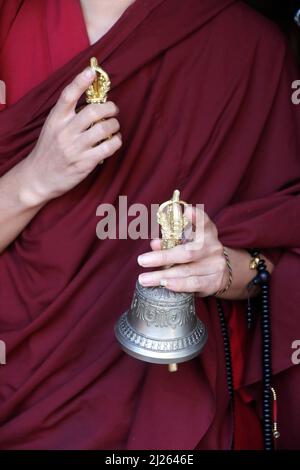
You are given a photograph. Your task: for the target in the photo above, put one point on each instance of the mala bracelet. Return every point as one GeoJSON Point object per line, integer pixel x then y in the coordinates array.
{"type": "Point", "coordinates": [269, 396]}
{"type": "Point", "coordinates": [262, 280]}
{"type": "Point", "coordinates": [263, 277]}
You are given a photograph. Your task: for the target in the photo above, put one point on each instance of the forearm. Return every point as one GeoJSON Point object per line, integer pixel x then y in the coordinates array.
{"type": "Point", "coordinates": [17, 204]}
{"type": "Point", "coordinates": [242, 275]}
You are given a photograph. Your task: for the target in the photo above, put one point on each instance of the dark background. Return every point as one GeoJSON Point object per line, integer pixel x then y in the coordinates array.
{"type": "Point", "coordinates": [282, 12]}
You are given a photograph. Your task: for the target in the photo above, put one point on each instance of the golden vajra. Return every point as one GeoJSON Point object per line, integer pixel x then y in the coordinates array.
{"type": "Point", "coordinates": [98, 91]}
{"type": "Point", "coordinates": [173, 222]}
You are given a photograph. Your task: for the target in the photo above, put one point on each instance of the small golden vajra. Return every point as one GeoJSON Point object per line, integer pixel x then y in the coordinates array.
{"type": "Point", "coordinates": [98, 91]}
{"type": "Point", "coordinates": [173, 222]}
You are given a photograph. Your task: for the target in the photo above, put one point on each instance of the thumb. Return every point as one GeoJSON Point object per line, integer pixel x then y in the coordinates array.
{"type": "Point", "coordinates": [70, 95]}
{"type": "Point", "coordinates": [156, 244]}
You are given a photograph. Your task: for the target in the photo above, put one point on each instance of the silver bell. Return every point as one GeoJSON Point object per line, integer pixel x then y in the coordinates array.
{"type": "Point", "coordinates": [161, 327]}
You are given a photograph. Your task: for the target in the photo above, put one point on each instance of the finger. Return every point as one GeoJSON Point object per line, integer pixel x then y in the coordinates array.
{"type": "Point", "coordinates": [200, 223]}
{"type": "Point", "coordinates": [93, 113]}
{"type": "Point", "coordinates": [100, 131]}
{"type": "Point", "coordinates": [189, 284]}
{"type": "Point", "coordinates": [155, 244]}
{"type": "Point", "coordinates": [155, 277]}
{"type": "Point", "coordinates": [70, 95]}
{"type": "Point", "coordinates": [210, 266]}
{"type": "Point", "coordinates": [204, 227]}
{"type": "Point", "coordinates": [104, 150]}
{"type": "Point", "coordinates": [194, 213]}
{"type": "Point", "coordinates": [177, 255]}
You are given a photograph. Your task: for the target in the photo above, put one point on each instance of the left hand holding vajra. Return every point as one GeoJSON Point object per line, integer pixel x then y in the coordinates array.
{"type": "Point", "coordinates": [196, 266]}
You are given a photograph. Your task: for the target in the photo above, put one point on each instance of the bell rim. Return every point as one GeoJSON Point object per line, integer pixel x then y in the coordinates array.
{"type": "Point", "coordinates": [161, 356]}
{"type": "Point", "coordinates": [162, 360]}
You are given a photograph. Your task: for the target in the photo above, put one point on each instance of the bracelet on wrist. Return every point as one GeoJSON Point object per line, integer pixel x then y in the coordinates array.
{"type": "Point", "coordinates": [230, 279]}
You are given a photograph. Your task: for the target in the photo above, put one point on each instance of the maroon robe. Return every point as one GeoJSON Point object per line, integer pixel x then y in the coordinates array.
{"type": "Point", "coordinates": [204, 95]}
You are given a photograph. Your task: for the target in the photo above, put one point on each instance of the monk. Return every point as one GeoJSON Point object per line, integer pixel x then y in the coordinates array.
{"type": "Point", "coordinates": [200, 101]}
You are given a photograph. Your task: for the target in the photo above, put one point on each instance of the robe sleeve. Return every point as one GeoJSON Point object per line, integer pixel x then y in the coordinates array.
{"type": "Point", "coordinates": [266, 205]}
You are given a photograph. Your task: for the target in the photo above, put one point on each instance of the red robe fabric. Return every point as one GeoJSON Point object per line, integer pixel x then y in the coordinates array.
{"type": "Point", "coordinates": [195, 120]}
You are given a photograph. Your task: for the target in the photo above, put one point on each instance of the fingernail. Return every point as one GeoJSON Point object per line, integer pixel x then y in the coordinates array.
{"type": "Point", "coordinates": [145, 279]}
{"type": "Point", "coordinates": [164, 283]}
{"type": "Point", "coordinates": [89, 73]}
{"type": "Point", "coordinates": [144, 260]}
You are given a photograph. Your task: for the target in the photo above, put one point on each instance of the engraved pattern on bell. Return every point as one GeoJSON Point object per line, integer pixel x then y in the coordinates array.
{"type": "Point", "coordinates": [161, 326]}
{"type": "Point", "coordinates": [149, 304]}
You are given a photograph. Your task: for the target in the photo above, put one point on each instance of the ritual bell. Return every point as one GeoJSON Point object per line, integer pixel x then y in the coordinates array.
{"type": "Point", "coordinates": [161, 326]}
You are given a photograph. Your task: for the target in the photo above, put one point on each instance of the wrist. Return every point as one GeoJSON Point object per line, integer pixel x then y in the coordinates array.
{"type": "Point", "coordinates": [30, 191]}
